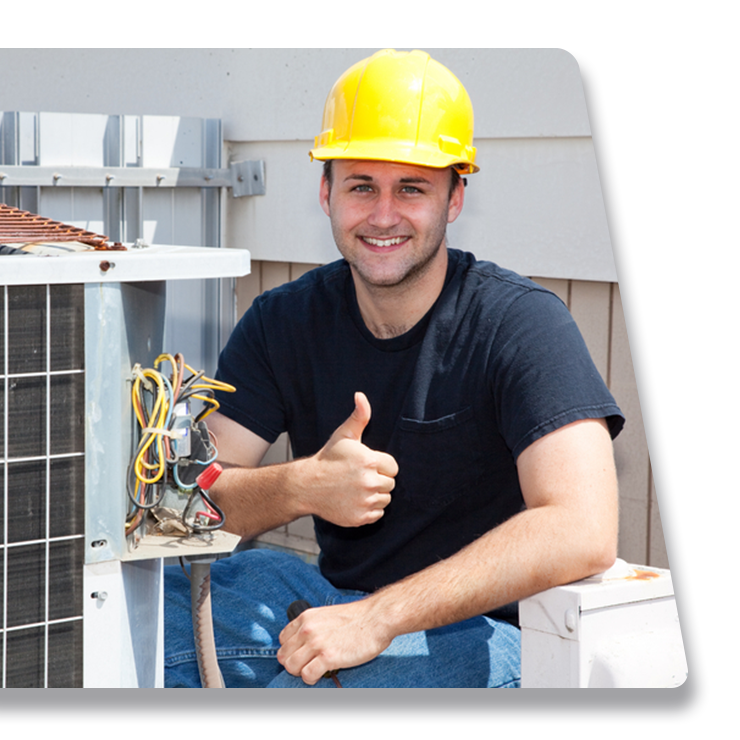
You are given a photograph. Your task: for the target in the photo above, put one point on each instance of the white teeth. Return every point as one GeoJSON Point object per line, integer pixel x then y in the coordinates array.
{"type": "Point", "coordinates": [384, 242]}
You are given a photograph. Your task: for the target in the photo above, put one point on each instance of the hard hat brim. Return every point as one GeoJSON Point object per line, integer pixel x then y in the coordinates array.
{"type": "Point", "coordinates": [401, 152]}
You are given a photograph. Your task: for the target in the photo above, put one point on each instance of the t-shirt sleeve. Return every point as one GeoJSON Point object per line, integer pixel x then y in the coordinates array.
{"type": "Point", "coordinates": [245, 363]}
{"type": "Point", "coordinates": [543, 376]}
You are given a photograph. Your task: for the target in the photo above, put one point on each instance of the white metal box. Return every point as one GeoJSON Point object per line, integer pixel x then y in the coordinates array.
{"type": "Point", "coordinates": [619, 629]}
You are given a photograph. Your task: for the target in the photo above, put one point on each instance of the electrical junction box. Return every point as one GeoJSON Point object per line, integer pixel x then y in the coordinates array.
{"type": "Point", "coordinates": [618, 629]}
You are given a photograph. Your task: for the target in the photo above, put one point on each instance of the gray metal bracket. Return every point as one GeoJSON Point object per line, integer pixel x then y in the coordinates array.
{"type": "Point", "coordinates": [244, 178]}
{"type": "Point", "coordinates": [248, 178]}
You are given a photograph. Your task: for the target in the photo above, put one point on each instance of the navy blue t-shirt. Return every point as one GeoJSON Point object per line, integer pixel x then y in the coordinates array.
{"type": "Point", "coordinates": [497, 363]}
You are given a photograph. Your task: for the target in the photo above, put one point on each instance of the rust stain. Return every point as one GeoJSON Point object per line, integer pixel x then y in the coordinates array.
{"type": "Point", "coordinates": [643, 575]}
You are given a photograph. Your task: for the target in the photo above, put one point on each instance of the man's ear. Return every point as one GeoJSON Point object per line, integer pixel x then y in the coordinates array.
{"type": "Point", "coordinates": [455, 204]}
{"type": "Point", "coordinates": [324, 191]}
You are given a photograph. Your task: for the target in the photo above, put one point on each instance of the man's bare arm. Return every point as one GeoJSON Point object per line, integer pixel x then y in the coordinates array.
{"type": "Point", "coordinates": [567, 532]}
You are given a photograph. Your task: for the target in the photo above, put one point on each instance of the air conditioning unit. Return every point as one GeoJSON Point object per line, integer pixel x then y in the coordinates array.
{"type": "Point", "coordinates": [81, 606]}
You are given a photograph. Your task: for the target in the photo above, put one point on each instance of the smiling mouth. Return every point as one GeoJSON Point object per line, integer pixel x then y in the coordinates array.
{"type": "Point", "coordinates": [384, 243]}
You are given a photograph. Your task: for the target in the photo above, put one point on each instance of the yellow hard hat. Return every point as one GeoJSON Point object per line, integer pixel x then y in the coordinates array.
{"type": "Point", "coordinates": [399, 106]}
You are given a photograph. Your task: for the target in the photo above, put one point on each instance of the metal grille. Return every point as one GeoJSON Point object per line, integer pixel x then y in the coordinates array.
{"type": "Point", "coordinates": [42, 432]}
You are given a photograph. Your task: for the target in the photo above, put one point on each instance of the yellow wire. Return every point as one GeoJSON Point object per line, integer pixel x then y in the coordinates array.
{"type": "Point", "coordinates": [157, 421]}
{"type": "Point", "coordinates": [205, 382]}
{"type": "Point", "coordinates": [160, 412]}
{"type": "Point", "coordinates": [165, 357]}
{"type": "Point", "coordinates": [213, 403]}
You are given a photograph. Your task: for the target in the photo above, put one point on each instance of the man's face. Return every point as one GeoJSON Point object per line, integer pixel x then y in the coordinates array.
{"type": "Point", "coordinates": [389, 220]}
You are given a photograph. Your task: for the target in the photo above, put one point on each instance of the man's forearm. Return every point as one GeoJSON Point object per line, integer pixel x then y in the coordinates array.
{"type": "Point", "coordinates": [504, 565]}
{"type": "Point", "coordinates": [256, 500]}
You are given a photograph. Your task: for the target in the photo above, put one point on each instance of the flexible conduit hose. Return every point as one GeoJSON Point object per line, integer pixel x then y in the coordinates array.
{"type": "Point", "coordinates": [205, 644]}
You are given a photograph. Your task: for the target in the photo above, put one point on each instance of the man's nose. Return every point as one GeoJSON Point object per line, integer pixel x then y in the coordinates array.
{"type": "Point", "coordinates": [384, 213]}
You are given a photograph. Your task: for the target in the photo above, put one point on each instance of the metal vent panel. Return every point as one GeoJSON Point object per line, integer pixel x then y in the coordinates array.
{"type": "Point", "coordinates": [42, 408]}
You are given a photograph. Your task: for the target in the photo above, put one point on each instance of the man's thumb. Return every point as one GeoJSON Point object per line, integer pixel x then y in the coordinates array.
{"type": "Point", "coordinates": [356, 423]}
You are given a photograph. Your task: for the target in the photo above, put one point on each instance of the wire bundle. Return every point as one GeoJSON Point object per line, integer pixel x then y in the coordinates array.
{"type": "Point", "coordinates": [156, 461]}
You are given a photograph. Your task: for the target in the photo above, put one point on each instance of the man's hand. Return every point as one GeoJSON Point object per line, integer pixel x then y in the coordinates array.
{"type": "Point", "coordinates": [329, 638]}
{"type": "Point", "coordinates": [348, 483]}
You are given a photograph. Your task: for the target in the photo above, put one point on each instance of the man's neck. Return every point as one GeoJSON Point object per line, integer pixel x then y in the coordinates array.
{"type": "Point", "coordinates": [389, 311]}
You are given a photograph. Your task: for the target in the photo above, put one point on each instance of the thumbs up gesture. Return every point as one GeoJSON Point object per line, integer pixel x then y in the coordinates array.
{"type": "Point", "coordinates": [349, 483]}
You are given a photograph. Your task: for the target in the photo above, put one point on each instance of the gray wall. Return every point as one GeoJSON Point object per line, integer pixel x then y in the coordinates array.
{"type": "Point", "coordinates": [536, 204]}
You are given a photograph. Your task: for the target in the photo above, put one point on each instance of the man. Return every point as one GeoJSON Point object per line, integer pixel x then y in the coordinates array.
{"type": "Point", "coordinates": [452, 438]}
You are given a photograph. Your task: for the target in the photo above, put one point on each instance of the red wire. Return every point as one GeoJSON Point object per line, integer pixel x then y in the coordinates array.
{"type": "Point", "coordinates": [211, 513]}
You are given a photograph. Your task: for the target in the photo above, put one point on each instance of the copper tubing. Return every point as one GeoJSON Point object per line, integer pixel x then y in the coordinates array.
{"type": "Point", "coordinates": [17, 226]}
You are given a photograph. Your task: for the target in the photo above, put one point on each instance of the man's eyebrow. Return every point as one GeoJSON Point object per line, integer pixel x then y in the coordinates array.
{"type": "Point", "coordinates": [403, 180]}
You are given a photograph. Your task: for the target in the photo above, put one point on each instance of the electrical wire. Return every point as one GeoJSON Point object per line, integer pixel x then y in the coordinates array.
{"type": "Point", "coordinates": [156, 460]}
{"type": "Point", "coordinates": [213, 513]}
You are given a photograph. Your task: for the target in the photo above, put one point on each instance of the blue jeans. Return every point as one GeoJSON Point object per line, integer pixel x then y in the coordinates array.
{"type": "Point", "coordinates": [250, 593]}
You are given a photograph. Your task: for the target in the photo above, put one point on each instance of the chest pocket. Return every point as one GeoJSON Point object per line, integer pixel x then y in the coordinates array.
{"type": "Point", "coordinates": [438, 459]}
